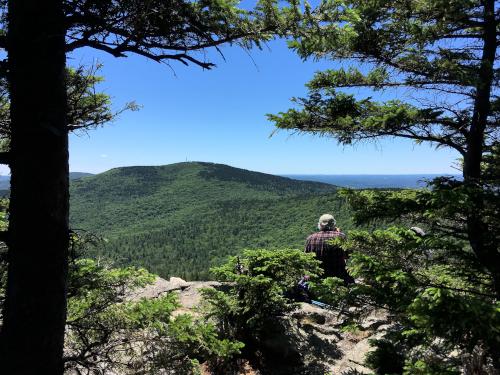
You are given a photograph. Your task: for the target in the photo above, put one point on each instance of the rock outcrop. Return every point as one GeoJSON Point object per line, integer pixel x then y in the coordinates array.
{"type": "Point", "coordinates": [312, 333]}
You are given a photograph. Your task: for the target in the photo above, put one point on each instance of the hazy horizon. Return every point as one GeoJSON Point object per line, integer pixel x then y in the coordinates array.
{"type": "Point", "coordinates": [350, 180]}
{"type": "Point", "coordinates": [3, 176]}
{"type": "Point", "coordinates": [179, 121]}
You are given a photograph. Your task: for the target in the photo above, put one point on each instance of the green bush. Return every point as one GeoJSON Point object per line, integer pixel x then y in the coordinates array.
{"type": "Point", "coordinates": [257, 291]}
{"type": "Point", "coordinates": [430, 287]}
{"type": "Point", "coordinates": [109, 331]}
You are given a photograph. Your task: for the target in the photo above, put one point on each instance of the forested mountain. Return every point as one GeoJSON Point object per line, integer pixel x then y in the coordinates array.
{"type": "Point", "coordinates": [182, 218]}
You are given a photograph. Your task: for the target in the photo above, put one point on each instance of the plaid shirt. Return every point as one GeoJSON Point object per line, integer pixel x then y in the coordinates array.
{"type": "Point", "coordinates": [332, 257]}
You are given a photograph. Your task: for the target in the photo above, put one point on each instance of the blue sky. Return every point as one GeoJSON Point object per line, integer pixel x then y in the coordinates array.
{"type": "Point", "coordinates": [219, 116]}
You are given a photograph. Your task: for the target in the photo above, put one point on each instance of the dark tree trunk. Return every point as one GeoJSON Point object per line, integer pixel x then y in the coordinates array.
{"type": "Point", "coordinates": [485, 250]}
{"type": "Point", "coordinates": [35, 308]}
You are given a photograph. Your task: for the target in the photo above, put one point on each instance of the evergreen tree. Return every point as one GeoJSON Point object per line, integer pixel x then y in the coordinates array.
{"type": "Point", "coordinates": [38, 37]}
{"type": "Point", "coordinates": [87, 107]}
{"type": "Point", "coordinates": [438, 58]}
{"type": "Point", "coordinates": [444, 52]}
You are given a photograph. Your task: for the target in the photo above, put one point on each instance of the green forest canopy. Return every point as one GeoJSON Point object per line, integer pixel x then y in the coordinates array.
{"type": "Point", "coordinates": [180, 219]}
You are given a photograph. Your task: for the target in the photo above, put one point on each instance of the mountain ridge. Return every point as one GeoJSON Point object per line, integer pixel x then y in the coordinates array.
{"type": "Point", "coordinates": [179, 219]}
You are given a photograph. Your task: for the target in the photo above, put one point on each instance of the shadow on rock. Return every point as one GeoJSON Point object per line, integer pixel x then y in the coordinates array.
{"type": "Point", "coordinates": [289, 349]}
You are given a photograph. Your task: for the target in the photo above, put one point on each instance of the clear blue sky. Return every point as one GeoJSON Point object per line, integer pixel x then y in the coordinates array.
{"type": "Point", "coordinates": [219, 116]}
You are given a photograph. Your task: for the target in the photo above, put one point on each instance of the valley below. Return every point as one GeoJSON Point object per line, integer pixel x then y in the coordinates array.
{"type": "Point", "coordinates": [181, 219]}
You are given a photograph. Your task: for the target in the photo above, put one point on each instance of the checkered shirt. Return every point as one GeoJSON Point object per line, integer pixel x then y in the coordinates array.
{"type": "Point", "coordinates": [332, 257]}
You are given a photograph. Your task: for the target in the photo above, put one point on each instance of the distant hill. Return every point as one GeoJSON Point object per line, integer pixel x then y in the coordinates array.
{"type": "Point", "coordinates": [182, 218]}
{"type": "Point", "coordinates": [366, 181]}
{"type": "Point", "coordinates": [5, 181]}
{"type": "Point", "coordinates": [77, 175]}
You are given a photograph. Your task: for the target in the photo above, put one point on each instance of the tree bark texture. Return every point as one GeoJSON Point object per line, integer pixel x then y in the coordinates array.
{"type": "Point", "coordinates": [486, 251]}
{"type": "Point", "coordinates": [35, 308]}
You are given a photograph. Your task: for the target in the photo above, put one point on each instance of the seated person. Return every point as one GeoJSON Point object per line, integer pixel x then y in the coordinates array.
{"type": "Point", "coordinates": [332, 257]}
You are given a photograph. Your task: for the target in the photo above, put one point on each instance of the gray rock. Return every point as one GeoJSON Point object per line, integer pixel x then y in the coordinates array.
{"type": "Point", "coordinates": [309, 336]}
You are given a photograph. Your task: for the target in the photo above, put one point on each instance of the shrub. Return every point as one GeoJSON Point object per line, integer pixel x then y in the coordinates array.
{"type": "Point", "coordinates": [107, 331]}
{"type": "Point", "coordinates": [258, 290]}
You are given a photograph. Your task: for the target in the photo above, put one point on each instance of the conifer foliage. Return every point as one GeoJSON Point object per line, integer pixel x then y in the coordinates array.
{"type": "Point", "coordinates": [37, 36]}
{"type": "Point", "coordinates": [261, 288]}
{"type": "Point", "coordinates": [110, 328]}
{"type": "Point", "coordinates": [437, 60]}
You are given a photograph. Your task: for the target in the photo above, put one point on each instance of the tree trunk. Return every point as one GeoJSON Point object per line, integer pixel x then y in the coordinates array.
{"type": "Point", "coordinates": [35, 308]}
{"type": "Point", "coordinates": [477, 230]}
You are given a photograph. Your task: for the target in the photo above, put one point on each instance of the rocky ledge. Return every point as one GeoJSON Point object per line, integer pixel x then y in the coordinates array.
{"type": "Point", "coordinates": [314, 331]}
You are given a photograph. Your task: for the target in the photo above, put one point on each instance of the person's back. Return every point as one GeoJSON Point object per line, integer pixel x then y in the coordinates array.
{"type": "Point", "coordinates": [331, 256]}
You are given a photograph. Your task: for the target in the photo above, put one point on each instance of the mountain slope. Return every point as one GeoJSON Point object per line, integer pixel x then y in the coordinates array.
{"type": "Point", "coordinates": [179, 219]}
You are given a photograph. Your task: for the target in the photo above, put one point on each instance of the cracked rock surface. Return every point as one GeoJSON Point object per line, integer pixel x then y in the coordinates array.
{"type": "Point", "coordinates": [312, 333]}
